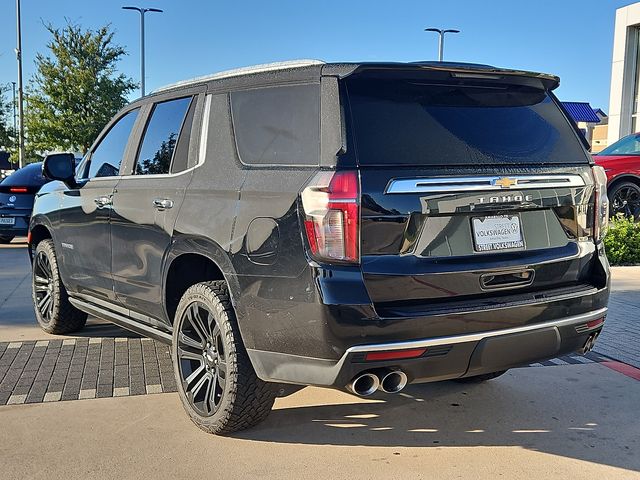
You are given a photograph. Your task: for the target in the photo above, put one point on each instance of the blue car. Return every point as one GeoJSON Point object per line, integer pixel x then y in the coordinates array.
{"type": "Point", "coordinates": [17, 192]}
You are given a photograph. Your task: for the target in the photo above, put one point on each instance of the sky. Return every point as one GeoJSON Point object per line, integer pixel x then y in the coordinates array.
{"type": "Point", "coordinates": [569, 38]}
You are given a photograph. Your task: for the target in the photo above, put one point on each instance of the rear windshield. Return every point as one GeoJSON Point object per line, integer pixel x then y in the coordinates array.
{"type": "Point", "coordinates": [29, 176]}
{"type": "Point", "coordinates": [415, 122]}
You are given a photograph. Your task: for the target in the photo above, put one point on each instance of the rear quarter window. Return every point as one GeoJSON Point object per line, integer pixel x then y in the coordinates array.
{"type": "Point", "coordinates": [277, 125]}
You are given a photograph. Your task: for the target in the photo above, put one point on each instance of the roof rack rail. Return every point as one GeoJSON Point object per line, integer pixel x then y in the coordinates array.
{"type": "Point", "coordinates": [265, 67]}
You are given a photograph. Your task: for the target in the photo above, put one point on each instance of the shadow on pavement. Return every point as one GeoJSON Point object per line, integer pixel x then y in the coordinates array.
{"type": "Point", "coordinates": [569, 415]}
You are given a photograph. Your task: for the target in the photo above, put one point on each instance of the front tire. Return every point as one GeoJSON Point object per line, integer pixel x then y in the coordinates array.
{"type": "Point", "coordinates": [54, 312]}
{"type": "Point", "coordinates": [217, 384]}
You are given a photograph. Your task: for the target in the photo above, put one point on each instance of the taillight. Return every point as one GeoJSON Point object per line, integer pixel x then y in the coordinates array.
{"type": "Point", "coordinates": [331, 203]}
{"type": "Point", "coordinates": [601, 207]}
{"type": "Point", "coordinates": [18, 189]}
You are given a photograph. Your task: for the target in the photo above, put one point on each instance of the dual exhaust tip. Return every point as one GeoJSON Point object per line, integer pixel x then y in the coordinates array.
{"type": "Point", "coordinates": [387, 381]}
{"type": "Point", "coordinates": [589, 344]}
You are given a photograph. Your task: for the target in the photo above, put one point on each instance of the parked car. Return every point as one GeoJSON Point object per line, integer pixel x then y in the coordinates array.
{"type": "Point", "coordinates": [621, 162]}
{"type": "Point", "coordinates": [17, 192]}
{"type": "Point", "coordinates": [358, 226]}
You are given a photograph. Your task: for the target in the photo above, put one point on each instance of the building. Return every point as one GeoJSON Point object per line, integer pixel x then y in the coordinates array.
{"type": "Point", "coordinates": [586, 118]}
{"type": "Point", "coordinates": [624, 99]}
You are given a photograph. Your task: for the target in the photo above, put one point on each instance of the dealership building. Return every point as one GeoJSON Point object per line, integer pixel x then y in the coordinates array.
{"type": "Point", "coordinates": [624, 100]}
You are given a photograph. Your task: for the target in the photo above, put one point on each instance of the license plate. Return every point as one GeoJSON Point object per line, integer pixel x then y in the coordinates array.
{"type": "Point", "coordinates": [498, 232]}
{"type": "Point", "coordinates": [7, 221]}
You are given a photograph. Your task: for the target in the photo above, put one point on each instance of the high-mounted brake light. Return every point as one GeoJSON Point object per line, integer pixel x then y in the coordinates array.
{"type": "Point", "coordinates": [331, 203]}
{"type": "Point", "coordinates": [18, 189]}
{"type": "Point", "coordinates": [601, 207]}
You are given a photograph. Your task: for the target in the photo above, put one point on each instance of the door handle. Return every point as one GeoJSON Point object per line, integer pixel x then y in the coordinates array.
{"type": "Point", "coordinates": [103, 201]}
{"type": "Point", "coordinates": [163, 203]}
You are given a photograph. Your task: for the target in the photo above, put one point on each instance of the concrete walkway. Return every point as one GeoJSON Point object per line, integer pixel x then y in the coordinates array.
{"type": "Point", "coordinates": [620, 338]}
{"type": "Point", "coordinates": [531, 424]}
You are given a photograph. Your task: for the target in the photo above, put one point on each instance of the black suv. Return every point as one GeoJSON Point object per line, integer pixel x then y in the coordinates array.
{"type": "Point", "coordinates": [359, 226]}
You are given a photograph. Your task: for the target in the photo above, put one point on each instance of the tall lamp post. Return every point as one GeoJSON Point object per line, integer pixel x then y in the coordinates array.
{"type": "Point", "coordinates": [20, 90]}
{"type": "Point", "coordinates": [441, 33]}
{"type": "Point", "coordinates": [142, 11]}
{"type": "Point", "coordinates": [15, 104]}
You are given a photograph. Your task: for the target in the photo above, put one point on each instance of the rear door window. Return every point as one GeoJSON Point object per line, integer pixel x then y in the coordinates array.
{"type": "Point", "coordinates": [277, 125]}
{"type": "Point", "coordinates": [415, 122]}
{"type": "Point", "coordinates": [161, 136]}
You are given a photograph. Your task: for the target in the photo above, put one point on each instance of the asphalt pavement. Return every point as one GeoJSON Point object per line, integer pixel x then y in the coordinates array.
{"type": "Point", "coordinates": [564, 418]}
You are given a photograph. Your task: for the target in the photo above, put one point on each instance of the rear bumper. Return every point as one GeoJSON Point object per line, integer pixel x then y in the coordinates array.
{"type": "Point", "coordinates": [445, 357]}
{"type": "Point", "coordinates": [21, 225]}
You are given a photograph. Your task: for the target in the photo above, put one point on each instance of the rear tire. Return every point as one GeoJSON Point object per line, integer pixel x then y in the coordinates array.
{"type": "Point", "coordinates": [5, 239]}
{"type": "Point", "coordinates": [216, 382]}
{"type": "Point", "coordinates": [481, 378]}
{"type": "Point", "coordinates": [54, 312]}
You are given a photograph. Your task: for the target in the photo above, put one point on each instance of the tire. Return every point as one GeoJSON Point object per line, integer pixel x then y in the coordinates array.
{"type": "Point", "coordinates": [6, 239]}
{"type": "Point", "coordinates": [624, 198]}
{"type": "Point", "coordinates": [234, 397]}
{"type": "Point", "coordinates": [54, 312]}
{"type": "Point", "coordinates": [481, 378]}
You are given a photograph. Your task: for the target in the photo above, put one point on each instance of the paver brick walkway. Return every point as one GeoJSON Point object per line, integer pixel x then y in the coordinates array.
{"type": "Point", "coordinates": [71, 369]}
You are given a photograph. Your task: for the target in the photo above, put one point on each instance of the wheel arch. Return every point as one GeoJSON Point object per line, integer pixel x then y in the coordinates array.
{"type": "Point", "coordinates": [193, 260]}
{"type": "Point", "coordinates": [625, 177]}
{"type": "Point", "coordinates": [39, 229]}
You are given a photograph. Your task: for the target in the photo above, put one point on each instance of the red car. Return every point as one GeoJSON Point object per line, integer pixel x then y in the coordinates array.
{"type": "Point", "coordinates": [621, 161]}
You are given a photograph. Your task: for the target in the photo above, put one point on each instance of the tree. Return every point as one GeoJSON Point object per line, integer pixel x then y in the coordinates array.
{"type": "Point", "coordinates": [76, 90]}
{"type": "Point", "coordinates": [6, 128]}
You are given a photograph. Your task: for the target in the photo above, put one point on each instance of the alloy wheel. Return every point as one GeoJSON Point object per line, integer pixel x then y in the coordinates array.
{"type": "Point", "coordinates": [202, 359]}
{"type": "Point", "coordinates": [43, 286]}
{"type": "Point", "coordinates": [626, 201]}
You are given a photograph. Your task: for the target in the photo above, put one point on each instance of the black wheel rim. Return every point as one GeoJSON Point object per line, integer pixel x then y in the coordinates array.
{"type": "Point", "coordinates": [626, 201]}
{"type": "Point", "coordinates": [43, 286]}
{"type": "Point", "coordinates": [202, 359]}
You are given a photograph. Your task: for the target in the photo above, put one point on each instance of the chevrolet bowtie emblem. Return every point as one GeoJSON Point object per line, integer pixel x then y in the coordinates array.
{"type": "Point", "coordinates": [505, 182]}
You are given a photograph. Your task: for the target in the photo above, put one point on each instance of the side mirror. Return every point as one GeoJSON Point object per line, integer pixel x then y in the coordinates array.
{"type": "Point", "coordinates": [60, 166]}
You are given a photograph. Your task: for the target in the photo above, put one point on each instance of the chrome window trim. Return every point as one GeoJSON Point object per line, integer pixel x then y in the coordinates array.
{"type": "Point", "coordinates": [484, 183]}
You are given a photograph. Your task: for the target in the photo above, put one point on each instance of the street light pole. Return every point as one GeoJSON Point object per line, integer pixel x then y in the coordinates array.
{"type": "Point", "coordinates": [142, 11]}
{"type": "Point", "coordinates": [441, 33]}
{"type": "Point", "coordinates": [15, 125]}
{"type": "Point", "coordinates": [20, 89]}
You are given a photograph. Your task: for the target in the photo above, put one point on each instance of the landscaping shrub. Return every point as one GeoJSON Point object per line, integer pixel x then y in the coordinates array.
{"type": "Point", "coordinates": [622, 242]}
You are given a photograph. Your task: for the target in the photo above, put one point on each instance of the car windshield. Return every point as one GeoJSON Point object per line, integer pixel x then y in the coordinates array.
{"type": "Point", "coordinates": [29, 176]}
{"type": "Point", "coordinates": [417, 122]}
{"type": "Point", "coordinates": [629, 145]}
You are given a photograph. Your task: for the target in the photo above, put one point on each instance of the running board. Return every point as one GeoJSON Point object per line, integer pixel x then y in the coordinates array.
{"type": "Point", "coordinates": [121, 320]}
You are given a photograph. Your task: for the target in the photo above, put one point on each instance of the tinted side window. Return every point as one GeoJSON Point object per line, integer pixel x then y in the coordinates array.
{"type": "Point", "coordinates": [160, 137]}
{"type": "Point", "coordinates": [278, 125]}
{"type": "Point", "coordinates": [181, 155]}
{"type": "Point", "coordinates": [107, 156]}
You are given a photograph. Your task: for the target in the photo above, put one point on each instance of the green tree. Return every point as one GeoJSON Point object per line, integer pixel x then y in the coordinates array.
{"type": "Point", "coordinates": [6, 125]}
{"type": "Point", "coordinates": [76, 89]}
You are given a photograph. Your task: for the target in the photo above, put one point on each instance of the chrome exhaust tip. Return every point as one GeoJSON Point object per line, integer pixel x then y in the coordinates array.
{"type": "Point", "coordinates": [364, 384]}
{"type": "Point", "coordinates": [393, 381]}
{"type": "Point", "coordinates": [589, 344]}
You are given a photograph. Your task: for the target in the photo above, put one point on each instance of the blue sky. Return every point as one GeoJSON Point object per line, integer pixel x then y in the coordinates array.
{"type": "Point", "coordinates": [569, 38]}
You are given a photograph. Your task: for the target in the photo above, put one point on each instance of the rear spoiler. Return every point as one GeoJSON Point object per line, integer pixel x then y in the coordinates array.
{"type": "Point", "coordinates": [440, 69]}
